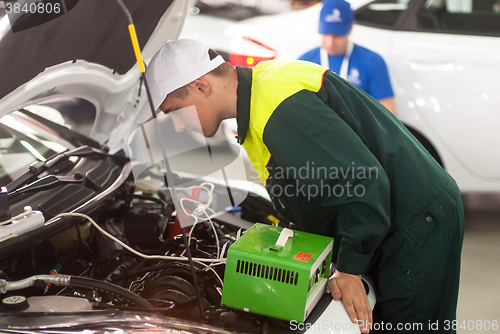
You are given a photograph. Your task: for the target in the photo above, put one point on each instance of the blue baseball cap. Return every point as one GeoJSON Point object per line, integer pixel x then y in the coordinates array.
{"type": "Point", "coordinates": [335, 18]}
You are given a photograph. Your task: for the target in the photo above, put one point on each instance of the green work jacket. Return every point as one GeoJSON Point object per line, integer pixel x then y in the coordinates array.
{"type": "Point", "coordinates": [336, 162]}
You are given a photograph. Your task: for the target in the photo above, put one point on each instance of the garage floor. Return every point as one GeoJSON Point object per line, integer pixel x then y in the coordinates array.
{"type": "Point", "coordinates": [479, 297]}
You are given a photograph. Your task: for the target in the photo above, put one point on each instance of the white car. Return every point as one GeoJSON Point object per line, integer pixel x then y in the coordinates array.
{"type": "Point", "coordinates": [90, 239]}
{"type": "Point", "coordinates": [443, 64]}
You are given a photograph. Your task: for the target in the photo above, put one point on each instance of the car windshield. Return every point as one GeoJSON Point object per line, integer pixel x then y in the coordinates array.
{"type": "Point", "coordinates": [24, 141]}
{"type": "Point", "coordinates": [381, 13]}
{"type": "Point", "coordinates": [226, 9]}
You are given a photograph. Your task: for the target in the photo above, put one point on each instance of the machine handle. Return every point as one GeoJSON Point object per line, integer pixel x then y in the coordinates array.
{"type": "Point", "coordinates": [283, 238]}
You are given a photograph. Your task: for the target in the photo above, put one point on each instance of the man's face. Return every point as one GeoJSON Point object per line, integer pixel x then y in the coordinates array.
{"type": "Point", "coordinates": [335, 45]}
{"type": "Point", "coordinates": [191, 114]}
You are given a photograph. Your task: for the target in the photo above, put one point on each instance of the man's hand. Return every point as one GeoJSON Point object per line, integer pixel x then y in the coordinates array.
{"type": "Point", "coordinates": [350, 289]}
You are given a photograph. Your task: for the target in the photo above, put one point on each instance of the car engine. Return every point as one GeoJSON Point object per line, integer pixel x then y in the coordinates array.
{"type": "Point", "coordinates": [127, 253]}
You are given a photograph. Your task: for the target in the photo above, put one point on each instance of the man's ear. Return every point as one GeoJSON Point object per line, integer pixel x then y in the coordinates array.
{"type": "Point", "coordinates": [200, 85]}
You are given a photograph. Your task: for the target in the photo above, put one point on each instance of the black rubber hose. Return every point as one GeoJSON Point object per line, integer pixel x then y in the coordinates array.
{"type": "Point", "coordinates": [121, 269]}
{"type": "Point", "coordinates": [84, 282]}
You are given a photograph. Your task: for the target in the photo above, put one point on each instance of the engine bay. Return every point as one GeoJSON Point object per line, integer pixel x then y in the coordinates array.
{"type": "Point", "coordinates": [127, 253]}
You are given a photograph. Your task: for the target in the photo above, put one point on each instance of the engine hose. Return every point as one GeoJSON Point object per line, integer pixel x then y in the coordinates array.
{"type": "Point", "coordinates": [120, 270]}
{"type": "Point", "coordinates": [84, 282]}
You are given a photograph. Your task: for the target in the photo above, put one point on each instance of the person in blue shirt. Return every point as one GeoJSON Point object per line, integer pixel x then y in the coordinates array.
{"type": "Point", "coordinates": [358, 65]}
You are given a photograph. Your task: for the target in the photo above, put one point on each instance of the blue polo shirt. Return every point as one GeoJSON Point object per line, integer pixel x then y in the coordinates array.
{"type": "Point", "coordinates": [367, 70]}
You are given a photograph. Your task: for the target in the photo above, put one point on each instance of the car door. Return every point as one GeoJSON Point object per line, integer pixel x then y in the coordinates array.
{"type": "Point", "coordinates": [446, 58]}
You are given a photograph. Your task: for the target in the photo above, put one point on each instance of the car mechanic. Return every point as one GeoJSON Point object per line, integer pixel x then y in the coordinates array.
{"type": "Point", "coordinates": [405, 230]}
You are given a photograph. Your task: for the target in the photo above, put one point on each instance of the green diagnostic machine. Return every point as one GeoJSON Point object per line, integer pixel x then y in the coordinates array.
{"type": "Point", "coordinates": [277, 272]}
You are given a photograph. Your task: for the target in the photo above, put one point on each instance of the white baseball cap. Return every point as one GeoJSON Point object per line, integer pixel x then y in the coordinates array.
{"type": "Point", "coordinates": [175, 65]}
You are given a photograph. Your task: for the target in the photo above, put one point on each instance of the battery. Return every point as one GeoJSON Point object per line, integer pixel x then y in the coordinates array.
{"type": "Point", "coordinates": [277, 272]}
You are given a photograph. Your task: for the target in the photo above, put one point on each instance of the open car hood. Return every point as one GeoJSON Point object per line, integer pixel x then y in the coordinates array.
{"type": "Point", "coordinates": [86, 53]}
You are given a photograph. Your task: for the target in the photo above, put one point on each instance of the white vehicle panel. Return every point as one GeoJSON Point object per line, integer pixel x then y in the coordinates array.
{"type": "Point", "coordinates": [453, 81]}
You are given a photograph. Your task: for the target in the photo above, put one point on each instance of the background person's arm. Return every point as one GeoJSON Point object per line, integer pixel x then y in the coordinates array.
{"type": "Point", "coordinates": [380, 87]}
{"type": "Point", "coordinates": [389, 104]}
